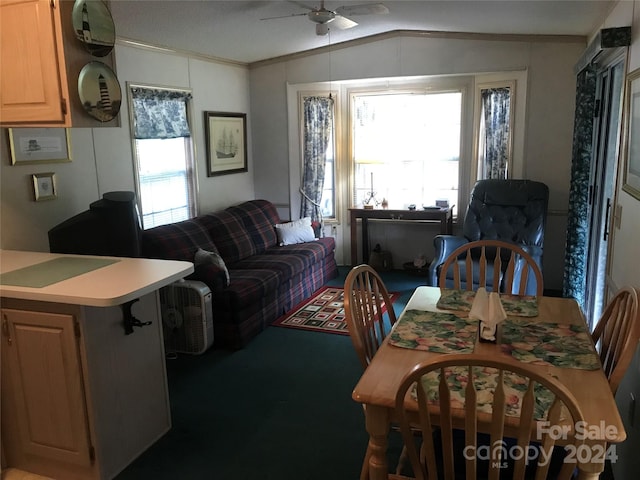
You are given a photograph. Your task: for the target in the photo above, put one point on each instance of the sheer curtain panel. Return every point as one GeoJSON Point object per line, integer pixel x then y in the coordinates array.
{"type": "Point", "coordinates": [318, 122]}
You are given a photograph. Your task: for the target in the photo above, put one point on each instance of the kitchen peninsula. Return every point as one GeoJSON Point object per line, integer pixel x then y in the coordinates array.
{"type": "Point", "coordinates": [84, 385]}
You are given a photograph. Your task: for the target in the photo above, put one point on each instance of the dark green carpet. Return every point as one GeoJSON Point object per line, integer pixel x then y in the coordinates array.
{"type": "Point", "coordinates": [280, 408]}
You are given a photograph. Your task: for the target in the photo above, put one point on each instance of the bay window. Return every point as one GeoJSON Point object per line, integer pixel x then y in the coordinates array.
{"type": "Point", "coordinates": [406, 147]}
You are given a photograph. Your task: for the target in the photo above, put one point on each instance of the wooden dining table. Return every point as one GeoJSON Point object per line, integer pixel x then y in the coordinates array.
{"type": "Point", "coordinates": [377, 387]}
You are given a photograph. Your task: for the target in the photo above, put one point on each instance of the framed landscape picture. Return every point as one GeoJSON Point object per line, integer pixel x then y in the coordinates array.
{"type": "Point", "coordinates": [39, 145]}
{"type": "Point", "coordinates": [226, 142]}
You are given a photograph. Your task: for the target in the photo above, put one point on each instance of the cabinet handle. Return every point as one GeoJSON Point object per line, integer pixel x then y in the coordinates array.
{"type": "Point", "coordinates": [5, 329]}
{"type": "Point", "coordinates": [52, 3]}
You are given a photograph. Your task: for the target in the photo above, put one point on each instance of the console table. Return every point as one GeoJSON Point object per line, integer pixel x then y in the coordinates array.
{"type": "Point", "coordinates": [442, 215]}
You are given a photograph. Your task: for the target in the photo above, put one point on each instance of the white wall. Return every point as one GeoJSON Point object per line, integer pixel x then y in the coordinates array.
{"type": "Point", "coordinates": [624, 269]}
{"type": "Point", "coordinates": [102, 157]}
{"type": "Point", "coordinates": [548, 123]}
{"type": "Point", "coordinates": [625, 244]}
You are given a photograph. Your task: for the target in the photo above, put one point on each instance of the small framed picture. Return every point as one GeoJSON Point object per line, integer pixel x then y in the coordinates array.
{"type": "Point", "coordinates": [44, 186]}
{"type": "Point", "coordinates": [631, 139]}
{"type": "Point", "coordinates": [39, 145]}
{"type": "Point", "coordinates": [226, 141]}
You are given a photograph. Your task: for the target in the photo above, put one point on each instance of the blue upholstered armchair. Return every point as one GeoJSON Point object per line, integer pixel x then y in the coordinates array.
{"type": "Point", "coordinates": [510, 210]}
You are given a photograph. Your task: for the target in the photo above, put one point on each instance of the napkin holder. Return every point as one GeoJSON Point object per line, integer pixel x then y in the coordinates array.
{"type": "Point", "coordinates": [488, 309]}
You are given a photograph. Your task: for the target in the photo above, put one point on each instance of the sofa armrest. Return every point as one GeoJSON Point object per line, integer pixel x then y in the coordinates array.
{"type": "Point", "coordinates": [444, 245]}
{"type": "Point", "coordinates": [212, 275]}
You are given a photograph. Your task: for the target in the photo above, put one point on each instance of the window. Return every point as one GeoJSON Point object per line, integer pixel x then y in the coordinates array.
{"type": "Point", "coordinates": [328, 202]}
{"type": "Point", "coordinates": [163, 153]}
{"type": "Point", "coordinates": [163, 180]}
{"type": "Point", "coordinates": [406, 147]}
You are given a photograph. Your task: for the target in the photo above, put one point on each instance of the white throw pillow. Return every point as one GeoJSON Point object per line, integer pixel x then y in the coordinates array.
{"type": "Point", "coordinates": [298, 231]}
{"type": "Point", "coordinates": [204, 257]}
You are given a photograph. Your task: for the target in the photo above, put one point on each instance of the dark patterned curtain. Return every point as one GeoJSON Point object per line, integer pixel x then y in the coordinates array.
{"type": "Point", "coordinates": [318, 121]}
{"type": "Point", "coordinates": [160, 113]}
{"type": "Point", "coordinates": [494, 152]}
{"type": "Point", "coordinates": [575, 261]}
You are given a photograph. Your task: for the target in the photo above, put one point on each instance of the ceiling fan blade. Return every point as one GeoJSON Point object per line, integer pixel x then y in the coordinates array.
{"type": "Point", "coordinates": [302, 5]}
{"type": "Point", "coordinates": [343, 23]}
{"type": "Point", "coordinates": [285, 16]}
{"type": "Point", "coordinates": [363, 9]}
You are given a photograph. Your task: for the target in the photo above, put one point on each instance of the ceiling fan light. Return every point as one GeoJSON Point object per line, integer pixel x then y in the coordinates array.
{"type": "Point", "coordinates": [322, 29]}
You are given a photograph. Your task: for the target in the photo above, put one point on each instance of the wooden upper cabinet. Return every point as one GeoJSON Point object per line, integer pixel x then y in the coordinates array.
{"type": "Point", "coordinates": [33, 75]}
{"type": "Point", "coordinates": [41, 63]}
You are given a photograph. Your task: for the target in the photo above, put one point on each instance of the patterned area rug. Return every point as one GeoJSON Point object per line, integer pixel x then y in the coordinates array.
{"type": "Point", "coordinates": [323, 312]}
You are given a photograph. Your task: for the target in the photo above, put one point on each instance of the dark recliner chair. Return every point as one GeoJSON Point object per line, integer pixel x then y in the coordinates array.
{"type": "Point", "coordinates": [509, 210]}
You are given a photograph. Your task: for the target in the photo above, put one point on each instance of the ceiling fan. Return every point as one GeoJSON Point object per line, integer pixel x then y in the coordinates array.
{"type": "Point", "coordinates": [338, 18]}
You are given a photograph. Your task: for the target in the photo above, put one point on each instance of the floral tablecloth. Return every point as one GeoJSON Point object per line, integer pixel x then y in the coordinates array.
{"type": "Point", "coordinates": [529, 341]}
{"type": "Point", "coordinates": [485, 379]}
{"type": "Point", "coordinates": [554, 344]}
{"type": "Point", "coordinates": [565, 346]}
{"type": "Point", "coordinates": [436, 332]}
{"type": "Point", "coordinates": [461, 300]}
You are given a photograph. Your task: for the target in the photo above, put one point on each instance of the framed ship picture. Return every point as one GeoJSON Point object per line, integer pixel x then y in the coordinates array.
{"type": "Point", "coordinates": [226, 142]}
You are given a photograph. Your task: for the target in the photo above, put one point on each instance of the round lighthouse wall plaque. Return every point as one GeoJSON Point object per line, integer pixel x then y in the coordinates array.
{"type": "Point", "coordinates": [93, 26]}
{"type": "Point", "coordinates": [99, 91]}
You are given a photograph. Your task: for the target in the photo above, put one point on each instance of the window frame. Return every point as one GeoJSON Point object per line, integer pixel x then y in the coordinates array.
{"type": "Point", "coordinates": [519, 104]}
{"type": "Point", "coordinates": [190, 152]}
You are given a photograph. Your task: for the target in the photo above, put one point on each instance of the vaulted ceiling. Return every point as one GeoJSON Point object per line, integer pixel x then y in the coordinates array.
{"type": "Point", "coordinates": [237, 30]}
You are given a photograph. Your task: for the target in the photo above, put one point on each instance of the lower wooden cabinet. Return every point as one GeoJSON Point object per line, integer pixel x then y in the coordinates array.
{"type": "Point", "coordinates": [43, 369]}
{"type": "Point", "coordinates": [80, 399]}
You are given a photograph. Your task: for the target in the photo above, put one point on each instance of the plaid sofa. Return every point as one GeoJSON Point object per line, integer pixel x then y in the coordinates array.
{"type": "Point", "coordinates": [266, 279]}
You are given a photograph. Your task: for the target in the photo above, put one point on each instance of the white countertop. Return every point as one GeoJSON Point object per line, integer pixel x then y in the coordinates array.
{"type": "Point", "coordinates": [114, 284]}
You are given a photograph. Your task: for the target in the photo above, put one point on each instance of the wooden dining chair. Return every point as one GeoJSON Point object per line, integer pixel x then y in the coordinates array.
{"type": "Point", "coordinates": [430, 395]}
{"type": "Point", "coordinates": [366, 299]}
{"type": "Point", "coordinates": [617, 333]}
{"type": "Point", "coordinates": [491, 264]}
